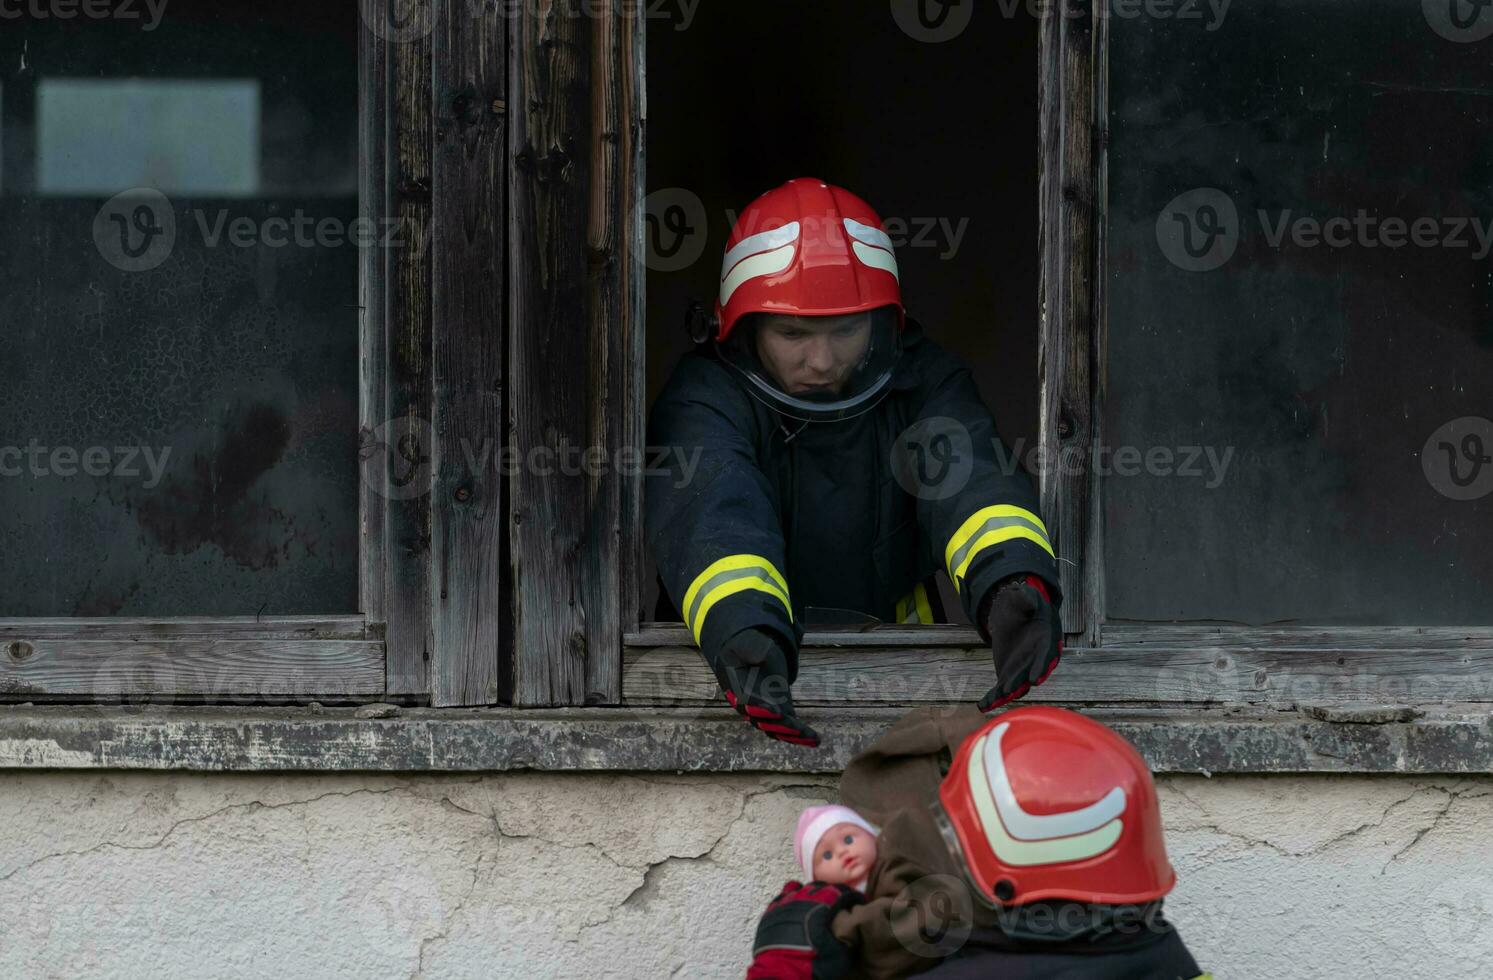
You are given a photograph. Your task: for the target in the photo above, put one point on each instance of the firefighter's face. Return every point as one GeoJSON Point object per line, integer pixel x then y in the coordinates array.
{"type": "Point", "coordinates": [813, 353]}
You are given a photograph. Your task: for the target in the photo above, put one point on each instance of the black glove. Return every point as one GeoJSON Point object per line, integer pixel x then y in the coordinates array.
{"type": "Point", "coordinates": [1026, 637]}
{"type": "Point", "coordinates": [755, 672]}
{"type": "Point", "coordinates": [794, 940]}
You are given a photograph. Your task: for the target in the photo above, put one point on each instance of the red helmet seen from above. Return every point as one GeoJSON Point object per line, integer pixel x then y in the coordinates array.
{"type": "Point", "coordinates": [803, 251]}
{"type": "Point", "coordinates": [1043, 804]}
{"type": "Point", "coordinates": [807, 249]}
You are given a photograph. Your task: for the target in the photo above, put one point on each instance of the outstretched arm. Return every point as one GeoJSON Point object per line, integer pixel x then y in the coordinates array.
{"type": "Point", "coordinates": [980, 512]}
{"type": "Point", "coordinates": [716, 534]}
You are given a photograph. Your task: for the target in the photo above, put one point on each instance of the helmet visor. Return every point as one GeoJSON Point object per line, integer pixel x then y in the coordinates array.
{"type": "Point", "coordinates": [816, 368]}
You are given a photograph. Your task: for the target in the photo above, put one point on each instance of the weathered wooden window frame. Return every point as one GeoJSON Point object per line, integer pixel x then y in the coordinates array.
{"type": "Point", "coordinates": [515, 297]}
{"type": "Point", "coordinates": [238, 659]}
{"type": "Point", "coordinates": [1183, 664]}
{"type": "Point", "coordinates": [508, 142]}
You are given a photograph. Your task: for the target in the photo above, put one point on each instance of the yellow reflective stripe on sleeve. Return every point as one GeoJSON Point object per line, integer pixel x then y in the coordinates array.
{"type": "Point", "coordinates": [914, 607]}
{"type": "Point", "coordinates": [925, 611]}
{"type": "Point", "coordinates": [728, 576]}
{"type": "Point", "coordinates": [990, 526]}
{"type": "Point", "coordinates": [996, 537]}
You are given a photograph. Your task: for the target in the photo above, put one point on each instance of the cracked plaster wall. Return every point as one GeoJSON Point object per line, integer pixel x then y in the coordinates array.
{"type": "Point", "coordinates": [119, 874]}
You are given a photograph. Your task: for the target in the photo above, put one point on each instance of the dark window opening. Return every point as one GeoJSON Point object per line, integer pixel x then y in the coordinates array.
{"type": "Point", "coordinates": [940, 138]}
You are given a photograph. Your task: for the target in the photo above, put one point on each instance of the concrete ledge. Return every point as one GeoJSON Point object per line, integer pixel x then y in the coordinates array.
{"type": "Point", "coordinates": [1436, 739]}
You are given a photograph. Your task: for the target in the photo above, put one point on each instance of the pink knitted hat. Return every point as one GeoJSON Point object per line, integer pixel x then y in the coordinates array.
{"type": "Point", "coordinates": [813, 823]}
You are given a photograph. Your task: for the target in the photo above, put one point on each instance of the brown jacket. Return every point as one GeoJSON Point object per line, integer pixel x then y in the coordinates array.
{"type": "Point", "coordinates": [891, 784]}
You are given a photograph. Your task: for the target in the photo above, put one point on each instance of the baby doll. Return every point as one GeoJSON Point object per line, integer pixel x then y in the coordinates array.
{"type": "Point", "coordinates": [835, 845]}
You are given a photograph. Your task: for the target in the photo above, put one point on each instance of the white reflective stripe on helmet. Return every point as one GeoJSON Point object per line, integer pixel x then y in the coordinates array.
{"type": "Point", "coordinates": [873, 247]}
{"type": "Point", "coordinates": [764, 242]}
{"type": "Point", "coordinates": [1049, 848]}
{"type": "Point", "coordinates": [865, 233]}
{"type": "Point", "coordinates": [877, 259]}
{"type": "Point", "coordinates": [1031, 826]}
{"type": "Point", "coordinates": [763, 264]}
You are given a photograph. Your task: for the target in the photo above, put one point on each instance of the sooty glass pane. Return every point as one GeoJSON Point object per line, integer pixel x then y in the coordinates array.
{"type": "Point", "coordinates": [1300, 335]}
{"type": "Point", "coordinates": [178, 252]}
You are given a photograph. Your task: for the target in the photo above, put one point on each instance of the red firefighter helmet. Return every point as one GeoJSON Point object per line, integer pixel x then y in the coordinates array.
{"type": "Point", "coordinates": [809, 249]}
{"type": "Point", "coordinates": [1042, 803]}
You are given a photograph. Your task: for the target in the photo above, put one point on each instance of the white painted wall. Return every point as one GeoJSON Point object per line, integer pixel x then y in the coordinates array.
{"type": "Point", "coordinates": [115, 874]}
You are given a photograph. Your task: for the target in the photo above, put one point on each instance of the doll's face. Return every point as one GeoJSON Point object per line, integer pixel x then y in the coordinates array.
{"type": "Point", "coordinates": [844, 854]}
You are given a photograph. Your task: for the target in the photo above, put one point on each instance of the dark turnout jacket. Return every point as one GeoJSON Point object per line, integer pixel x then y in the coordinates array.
{"type": "Point", "coordinates": [753, 516]}
{"type": "Point", "coordinates": [919, 919]}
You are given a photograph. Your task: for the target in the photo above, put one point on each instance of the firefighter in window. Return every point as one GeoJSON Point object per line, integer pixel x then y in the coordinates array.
{"type": "Point", "coordinates": [838, 459]}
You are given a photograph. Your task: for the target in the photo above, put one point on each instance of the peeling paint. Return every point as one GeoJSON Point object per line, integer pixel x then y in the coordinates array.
{"type": "Point", "coordinates": [42, 753]}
